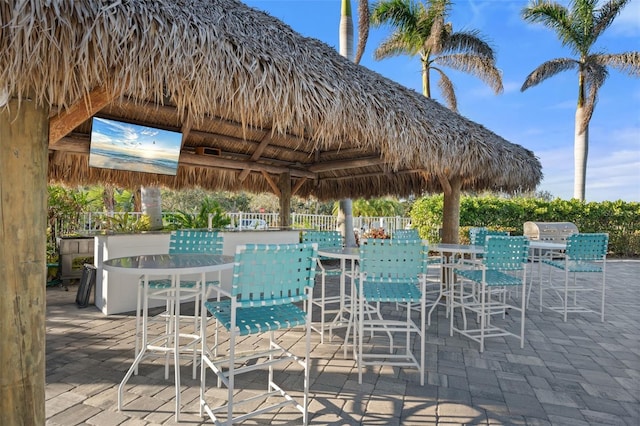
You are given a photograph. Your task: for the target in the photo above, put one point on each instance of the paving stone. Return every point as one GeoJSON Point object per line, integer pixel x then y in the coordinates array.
{"type": "Point", "coordinates": [556, 398]}
{"type": "Point", "coordinates": [75, 415]}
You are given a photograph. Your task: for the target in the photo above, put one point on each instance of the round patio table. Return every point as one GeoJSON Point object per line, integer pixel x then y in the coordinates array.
{"type": "Point", "coordinates": [173, 265]}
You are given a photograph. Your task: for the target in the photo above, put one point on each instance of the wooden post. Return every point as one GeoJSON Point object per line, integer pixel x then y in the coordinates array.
{"type": "Point", "coordinates": [24, 135]}
{"type": "Point", "coordinates": [284, 185]}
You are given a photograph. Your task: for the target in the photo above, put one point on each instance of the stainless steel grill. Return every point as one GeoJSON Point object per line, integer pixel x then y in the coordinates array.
{"type": "Point", "coordinates": [549, 231]}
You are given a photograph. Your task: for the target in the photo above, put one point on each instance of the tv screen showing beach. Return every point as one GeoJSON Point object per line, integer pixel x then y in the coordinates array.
{"type": "Point", "coordinates": [124, 146]}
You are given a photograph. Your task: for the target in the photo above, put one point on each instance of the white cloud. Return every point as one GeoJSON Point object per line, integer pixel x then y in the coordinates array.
{"type": "Point", "coordinates": [628, 22]}
{"type": "Point", "coordinates": [612, 173]}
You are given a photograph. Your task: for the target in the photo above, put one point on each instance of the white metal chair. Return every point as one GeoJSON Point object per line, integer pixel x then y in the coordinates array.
{"type": "Point", "coordinates": [324, 239]}
{"type": "Point", "coordinates": [502, 266]}
{"type": "Point", "coordinates": [391, 271]}
{"type": "Point", "coordinates": [269, 281]}
{"type": "Point", "coordinates": [181, 241]}
{"type": "Point", "coordinates": [585, 253]}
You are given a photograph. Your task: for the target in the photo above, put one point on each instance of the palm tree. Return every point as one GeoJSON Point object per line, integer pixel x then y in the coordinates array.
{"type": "Point", "coordinates": [578, 26]}
{"type": "Point", "coordinates": [420, 29]}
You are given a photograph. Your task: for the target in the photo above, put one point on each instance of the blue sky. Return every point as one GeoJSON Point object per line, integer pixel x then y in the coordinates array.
{"type": "Point", "coordinates": [541, 118]}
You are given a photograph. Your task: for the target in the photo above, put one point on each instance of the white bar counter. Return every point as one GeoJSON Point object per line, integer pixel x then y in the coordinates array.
{"type": "Point", "coordinates": [116, 292]}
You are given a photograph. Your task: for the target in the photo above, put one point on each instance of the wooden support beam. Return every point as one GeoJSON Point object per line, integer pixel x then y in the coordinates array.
{"type": "Point", "coordinates": [212, 161]}
{"type": "Point", "coordinates": [272, 183]}
{"type": "Point", "coordinates": [298, 185]}
{"type": "Point", "coordinates": [62, 124]}
{"type": "Point", "coordinates": [345, 164]}
{"type": "Point", "coordinates": [80, 145]}
{"type": "Point", "coordinates": [255, 156]}
{"type": "Point", "coordinates": [186, 128]}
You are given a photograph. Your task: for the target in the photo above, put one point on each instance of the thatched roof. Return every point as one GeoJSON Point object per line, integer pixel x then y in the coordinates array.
{"type": "Point", "coordinates": [240, 81]}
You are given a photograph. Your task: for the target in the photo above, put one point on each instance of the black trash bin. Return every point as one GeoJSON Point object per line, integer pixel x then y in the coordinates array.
{"type": "Point", "coordinates": [87, 284]}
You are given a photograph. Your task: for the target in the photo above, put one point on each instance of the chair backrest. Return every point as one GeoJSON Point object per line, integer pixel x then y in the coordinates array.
{"type": "Point", "coordinates": [393, 260]}
{"type": "Point", "coordinates": [588, 246]}
{"type": "Point", "coordinates": [473, 232]}
{"type": "Point", "coordinates": [324, 239]}
{"type": "Point", "coordinates": [505, 253]}
{"type": "Point", "coordinates": [195, 241]}
{"type": "Point", "coordinates": [273, 274]}
{"type": "Point", "coordinates": [406, 234]}
{"type": "Point", "coordinates": [480, 235]}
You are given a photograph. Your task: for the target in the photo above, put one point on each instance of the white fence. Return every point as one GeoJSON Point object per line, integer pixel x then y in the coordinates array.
{"type": "Point", "coordinates": [95, 221]}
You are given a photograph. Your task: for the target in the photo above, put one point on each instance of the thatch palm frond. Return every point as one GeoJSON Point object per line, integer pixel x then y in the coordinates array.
{"type": "Point", "coordinates": [548, 70]}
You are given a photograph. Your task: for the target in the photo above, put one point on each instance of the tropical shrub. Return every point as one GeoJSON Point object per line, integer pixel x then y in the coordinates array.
{"type": "Point", "coordinates": [618, 218]}
{"type": "Point", "coordinates": [200, 219]}
{"type": "Point", "coordinates": [127, 222]}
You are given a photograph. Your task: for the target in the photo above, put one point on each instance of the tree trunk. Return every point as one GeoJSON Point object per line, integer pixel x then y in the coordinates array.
{"type": "Point", "coordinates": [151, 200]}
{"type": "Point", "coordinates": [426, 87]}
{"type": "Point", "coordinates": [345, 222]}
{"type": "Point", "coordinates": [23, 203]}
{"type": "Point", "coordinates": [451, 211]}
{"type": "Point", "coordinates": [580, 152]}
{"type": "Point", "coordinates": [345, 215]}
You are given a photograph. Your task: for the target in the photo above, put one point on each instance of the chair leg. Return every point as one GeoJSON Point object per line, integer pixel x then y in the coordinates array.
{"type": "Point", "coordinates": [603, 291]}
{"type": "Point", "coordinates": [566, 293]}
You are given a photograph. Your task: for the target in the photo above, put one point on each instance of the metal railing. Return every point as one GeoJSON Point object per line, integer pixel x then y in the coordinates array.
{"type": "Point", "coordinates": [97, 221]}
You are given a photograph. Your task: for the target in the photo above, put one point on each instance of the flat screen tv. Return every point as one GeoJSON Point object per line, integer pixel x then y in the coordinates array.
{"type": "Point", "coordinates": [125, 146]}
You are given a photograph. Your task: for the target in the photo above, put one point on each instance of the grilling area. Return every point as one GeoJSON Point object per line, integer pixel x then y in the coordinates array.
{"type": "Point", "coordinates": [553, 232]}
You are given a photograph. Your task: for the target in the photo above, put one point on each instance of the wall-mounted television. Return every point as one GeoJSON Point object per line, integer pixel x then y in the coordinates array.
{"type": "Point", "coordinates": [133, 147]}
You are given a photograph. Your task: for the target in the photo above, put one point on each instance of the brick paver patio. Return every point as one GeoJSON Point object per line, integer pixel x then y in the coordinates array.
{"type": "Point", "coordinates": [582, 372]}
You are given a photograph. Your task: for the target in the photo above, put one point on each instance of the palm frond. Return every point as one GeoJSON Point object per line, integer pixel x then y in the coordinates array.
{"type": "Point", "coordinates": [397, 44]}
{"type": "Point", "coordinates": [435, 40]}
{"type": "Point", "coordinates": [594, 77]}
{"type": "Point", "coordinates": [363, 29]}
{"type": "Point", "coordinates": [447, 90]}
{"type": "Point", "coordinates": [469, 41]}
{"type": "Point", "coordinates": [554, 16]}
{"type": "Point", "coordinates": [395, 13]}
{"type": "Point", "coordinates": [480, 66]}
{"type": "Point", "coordinates": [606, 14]}
{"type": "Point", "coordinates": [549, 69]}
{"type": "Point", "coordinates": [627, 62]}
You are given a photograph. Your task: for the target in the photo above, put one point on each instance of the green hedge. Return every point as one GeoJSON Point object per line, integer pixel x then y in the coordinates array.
{"type": "Point", "coordinates": [619, 218]}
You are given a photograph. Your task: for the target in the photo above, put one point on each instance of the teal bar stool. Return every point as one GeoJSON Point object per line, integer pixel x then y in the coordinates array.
{"type": "Point", "coordinates": [326, 304]}
{"type": "Point", "coordinates": [585, 253]}
{"type": "Point", "coordinates": [391, 271]}
{"type": "Point", "coordinates": [502, 267]}
{"type": "Point", "coordinates": [269, 283]}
